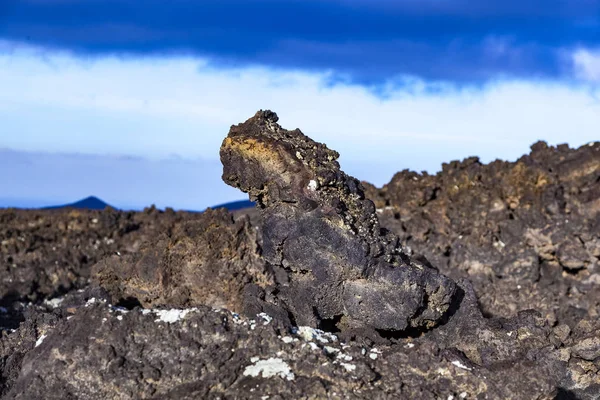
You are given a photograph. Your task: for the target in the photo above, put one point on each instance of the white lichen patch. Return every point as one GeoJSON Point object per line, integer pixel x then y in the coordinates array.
{"type": "Point", "coordinates": [349, 367]}
{"type": "Point", "coordinates": [409, 345]}
{"type": "Point", "coordinates": [287, 339]}
{"type": "Point", "coordinates": [173, 315]}
{"type": "Point", "coordinates": [55, 302]}
{"type": "Point", "coordinates": [324, 343]}
{"type": "Point", "coordinates": [312, 185]}
{"type": "Point", "coordinates": [269, 368]}
{"type": "Point", "coordinates": [267, 318]}
{"type": "Point", "coordinates": [374, 353]}
{"type": "Point", "coordinates": [90, 302]}
{"type": "Point", "coordinates": [460, 365]}
{"type": "Point", "coordinates": [40, 340]}
{"type": "Point", "coordinates": [307, 333]}
{"type": "Point", "coordinates": [94, 300]}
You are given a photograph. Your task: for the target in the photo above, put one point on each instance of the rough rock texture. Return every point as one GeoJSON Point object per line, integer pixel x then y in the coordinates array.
{"type": "Point", "coordinates": [100, 343]}
{"type": "Point", "coordinates": [321, 236]}
{"type": "Point", "coordinates": [87, 349]}
{"type": "Point", "coordinates": [46, 253]}
{"type": "Point", "coordinates": [526, 233]}
{"type": "Point", "coordinates": [208, 261]}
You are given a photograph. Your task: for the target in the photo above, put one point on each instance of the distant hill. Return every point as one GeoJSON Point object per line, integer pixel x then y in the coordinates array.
{"type": "Point", "coordinates": [236, 205]}
{"type": "Point", "coordinates": [89, 203]}
{"type": "Point", "coordinates": [94, 203]}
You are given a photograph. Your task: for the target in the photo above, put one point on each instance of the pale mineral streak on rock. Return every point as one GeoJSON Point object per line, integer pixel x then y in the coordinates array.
{"type": "Point", "coordinates": [40, 340]}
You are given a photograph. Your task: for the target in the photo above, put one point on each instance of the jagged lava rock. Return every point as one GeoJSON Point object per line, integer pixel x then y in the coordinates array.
{"type": "Point", "coordinates": [206, 261]}
{"type": "Point", "coordinates": [331, 260]}
{"type": "Point", "coordinates": [82, 346]}
{"type": "Point", "coordinates": [525, 233]}
{"type": "Point", "coordinates": [46, 253]}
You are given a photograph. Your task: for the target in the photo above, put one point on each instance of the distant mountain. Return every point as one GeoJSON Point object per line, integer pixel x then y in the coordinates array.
{"type": "Point", "coordinates": [89, 203]}
{"type": "Point", "coordinates": [236, 205]}
{"type": "Point", "coordinates": [94, 203]}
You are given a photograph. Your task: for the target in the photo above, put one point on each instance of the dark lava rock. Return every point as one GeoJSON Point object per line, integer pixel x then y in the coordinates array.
{"type": "Point", "coordinates": [46, 253]}
{"type": "Point", "coordinates": [321, 237]}
{"type": "Point", "coordinates": [525, 233]}
{"type": "Point", "coordinates": [519, 319]}
{"type": "Point", "coordinates": [211, 260]}
{"type": "Point", "coordinates": [88, 349]}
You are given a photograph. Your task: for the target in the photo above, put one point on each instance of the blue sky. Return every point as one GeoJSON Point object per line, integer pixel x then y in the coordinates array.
{"type": "Point", "coordinates": [87, 84]}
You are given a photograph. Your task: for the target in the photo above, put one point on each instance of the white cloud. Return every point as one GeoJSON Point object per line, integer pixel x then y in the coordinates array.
{"type": "Point", "coordinates": [155, 107]}
{"type": "Point", "coordinates": [587, 64]}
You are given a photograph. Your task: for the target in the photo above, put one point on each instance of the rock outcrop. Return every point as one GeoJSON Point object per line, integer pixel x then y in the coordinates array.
{"type": "Point", "coordinates": [211, 260]}
{"type": "Point", "coordinates": [517, 317]}
{"type": "Point", "coordinates": [46, 253]}
{"type": "Point", "coordinates": [525, 233]}
{"type": "Point", "coordinates": [332, 262]}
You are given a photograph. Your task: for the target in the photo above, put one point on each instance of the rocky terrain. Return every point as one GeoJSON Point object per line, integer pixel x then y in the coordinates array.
{"type": "Point", "coordinates": [479, 282]}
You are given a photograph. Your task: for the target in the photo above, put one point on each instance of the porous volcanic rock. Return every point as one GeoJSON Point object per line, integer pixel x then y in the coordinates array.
{"type": "Point", "coordinates": [158, 320]}
{"type": "Point", "coordinates": [85, 348]}
{"type": "Point", "coordinates": [211, 260]}
{"type": "Point", "coordinates": [331, 260]}
{"type": "Point", "coordinates": [46, 253]}
{"type": "Point", "coordinates": [525, 233]}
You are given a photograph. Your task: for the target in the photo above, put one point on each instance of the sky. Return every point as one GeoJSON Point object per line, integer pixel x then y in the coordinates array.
{"type": "Point", "coordinates": [129, 101]}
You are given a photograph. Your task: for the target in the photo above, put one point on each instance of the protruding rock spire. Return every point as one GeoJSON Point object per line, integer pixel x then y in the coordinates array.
{"type": "Point", "coordinates": [322, 237]}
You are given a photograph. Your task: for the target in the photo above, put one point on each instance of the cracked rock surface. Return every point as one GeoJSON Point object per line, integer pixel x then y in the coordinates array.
{"type": "Point", "coordinates": [308, 296]}
{"type": "Point", "coordinates": [525, 233]}
{"type": "Point", "coordinates": [46, 253]}
{"type": "Point", "coordinates": [210, 260]}
{"type": "Point", "coordinates": [330, 259]}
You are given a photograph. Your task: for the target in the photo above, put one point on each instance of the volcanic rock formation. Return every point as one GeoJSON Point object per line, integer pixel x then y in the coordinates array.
{"type": "Point", "coordinates": [525, 233]}
{"type": "Point", "coordinates": [157, 318]}
{"type": "Point", "coordinates": [210, 260]}
{"type": "Point", "coordinates": [330, 258]}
